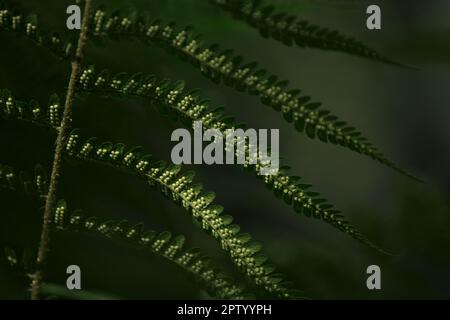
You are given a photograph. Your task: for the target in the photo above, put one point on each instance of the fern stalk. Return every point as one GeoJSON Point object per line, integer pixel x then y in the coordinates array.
{"type": "Point", "coordinates": [63, 130]}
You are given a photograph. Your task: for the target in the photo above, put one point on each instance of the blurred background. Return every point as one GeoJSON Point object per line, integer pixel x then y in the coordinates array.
{"type": "Point", "coordinates": [404, 112]}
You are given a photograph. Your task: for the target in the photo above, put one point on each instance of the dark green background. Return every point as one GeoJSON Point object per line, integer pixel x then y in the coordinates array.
{"type": "Point", "coordinates": [404, 112]}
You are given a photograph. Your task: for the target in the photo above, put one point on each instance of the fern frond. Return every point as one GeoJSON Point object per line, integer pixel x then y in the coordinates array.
{"type": "Point", "coordinates": [223, 66]}
{"type": "Point", "coordinates": [48, 115]}
{"type": "Point", "coordinates": [180, 188]}
{"type": "Point", "coordinates": [162, 244]}
{"type": "Point", "coordinates": [172, 183]}
{"type": "Point", "coordinates": [188, 106]}
{"type": "Point", "coordinates": [291, 30]}
{"type": "Point", "coordinates": [27, 26]}
{"type": "Point", "coordinates": [22, 262]}
{"type": "Point", "coordinates": [36, 185]}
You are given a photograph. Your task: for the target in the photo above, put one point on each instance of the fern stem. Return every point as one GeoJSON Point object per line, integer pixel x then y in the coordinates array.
{"type": "Point", "coordinates": [50, 203]}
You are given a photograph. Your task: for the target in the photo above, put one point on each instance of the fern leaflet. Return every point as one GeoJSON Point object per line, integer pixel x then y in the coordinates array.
{"type": "Point", "coordinates": [28, 27]}
{"type": "Point", "coordinates": [290, 30]}
{"type": "Point", "coordinates": [163, 244]}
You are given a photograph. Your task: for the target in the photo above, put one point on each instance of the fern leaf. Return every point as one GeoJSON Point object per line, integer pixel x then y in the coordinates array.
{"type": "Point", "coordinates": [180, 188]}
{"type": "Point", "coordinates": [50, 115]}
{"type": "Point", "coordinates": [27, 26]}
{"type": "Point", "coordinates": [176, 186]}
{"type": "Point", "coordinates": [188, 106]}
{"type": "Point", "coordinates": [290, 30]}
{"type": "Point", "coordinates": [38, 185]}
{"type": "Point", "coordinates": [22, 261]}
{"type": "Point", "coordinates": [162, 244]}
{"type": "Point", "coordinates": [223, 66]}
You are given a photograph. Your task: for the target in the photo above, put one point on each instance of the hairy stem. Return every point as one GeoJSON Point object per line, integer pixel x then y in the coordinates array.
{"type": "Point", "coordinates": [50, 203]}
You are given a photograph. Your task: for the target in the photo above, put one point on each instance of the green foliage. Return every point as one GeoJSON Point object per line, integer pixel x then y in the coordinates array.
{"type": "Point", "coordinates": [162, 244]}
{"type": "Point", "coordinates": [37, 186]}
{"type": "Point", "coordinates": [223, 66]}
{"type": "Point", "coordinates": [290, 30]}
{"type": "Point", "coordinates": [175, 185]}
{"type": "Point", "coordinates": [173, 99]}
{"type": "Point", "coordinates": [27, 26]}
{"type": "Point", "coordinates": [13, 109]}
{"type": "Point", "coordinates": [180, 188]}
{"type": "Point", "coordinates": [188, 106]}
{"type": "Point", "coordinates": [20, 261]}
{"type": "Point", "coordinates": [23, 261]}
